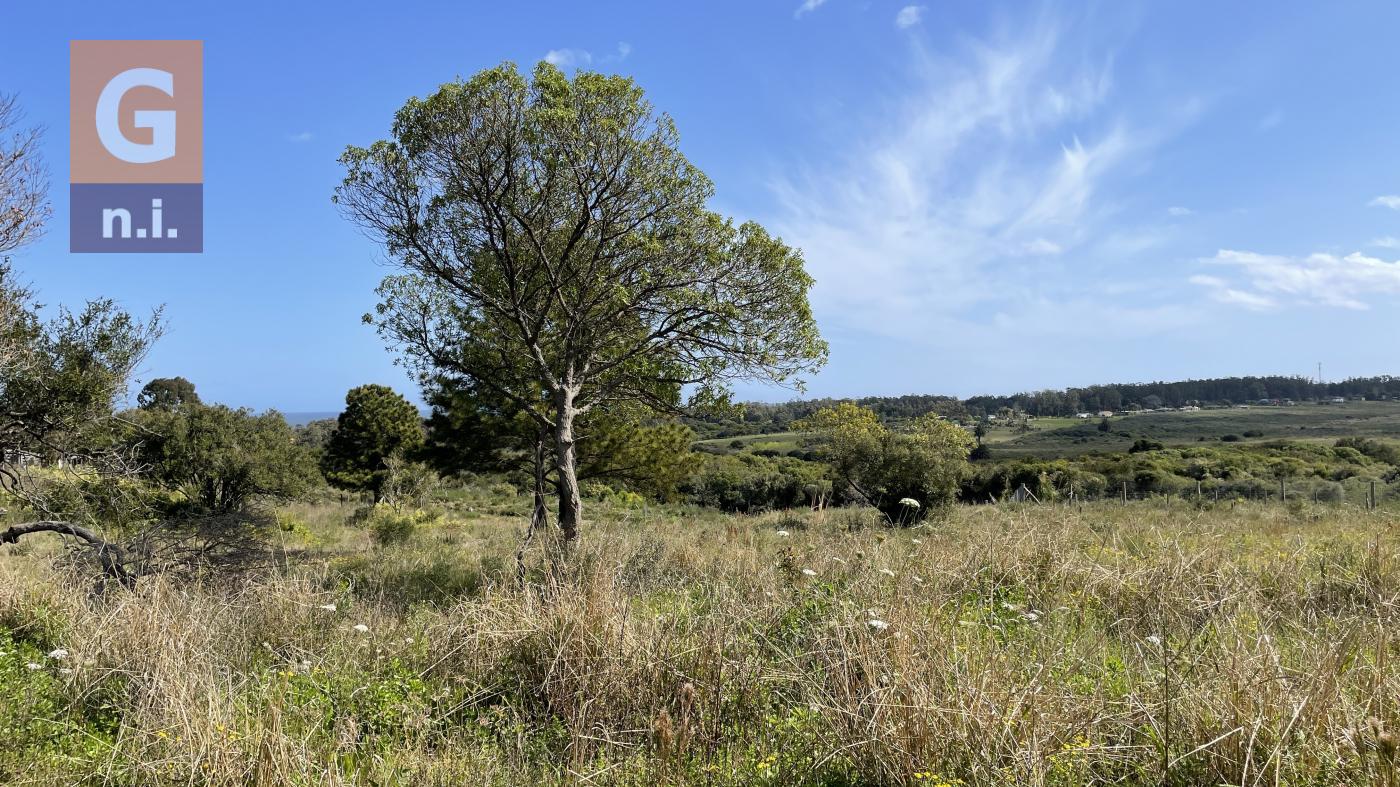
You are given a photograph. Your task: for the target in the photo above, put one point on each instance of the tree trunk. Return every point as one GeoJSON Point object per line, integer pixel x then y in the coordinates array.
{"type": "Point", "coordinates": [539, 517]}
{"type": "Point", "coordinates": [570, 505]}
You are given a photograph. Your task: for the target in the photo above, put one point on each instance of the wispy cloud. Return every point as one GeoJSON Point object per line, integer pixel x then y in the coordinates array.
{"type": "Point", "coordinates": [990, 170]}
{"type": "Point", "coordinates": [1178, 210]}
{"type": "Point", "coordinates": [909, 16]}
{"type": "Point", "coordinates": [300, 136]}
{"type": "Point", "coordinates": [1267, 281]}
{"type": "Point", "coordinates": [1387, 242]}
{"type": "Point", "coordinates": [578, 58]}
{"type": "Point", "coordinates": [1391, 201]}
{"type": "Point", "coordinates": [568, 58]}
{"type": "Point", "coordinates": [807, 7]}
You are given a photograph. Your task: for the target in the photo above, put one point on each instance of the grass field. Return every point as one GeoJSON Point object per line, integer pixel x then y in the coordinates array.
{"type": "Point", "coordinates": [1153, 643]}
{"type": "Point", "coordinates": [1054, 437]}
{"type": "Point", "coordinates": [1059, 437]}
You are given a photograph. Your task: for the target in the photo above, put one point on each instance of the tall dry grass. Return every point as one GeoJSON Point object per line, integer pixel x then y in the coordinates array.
{"type": "Point", "coordinates": [1143, 644]}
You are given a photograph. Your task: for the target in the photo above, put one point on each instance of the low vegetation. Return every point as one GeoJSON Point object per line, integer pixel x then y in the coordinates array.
{"type": "Point", "coordinates": [1047, 645]}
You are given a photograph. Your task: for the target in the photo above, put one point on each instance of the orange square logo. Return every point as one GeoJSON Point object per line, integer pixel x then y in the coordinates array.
{"type": "Point", "coordinates": [136, 111]}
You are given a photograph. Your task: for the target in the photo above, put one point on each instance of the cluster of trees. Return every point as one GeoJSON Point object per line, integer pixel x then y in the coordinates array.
{"type": "Point", "coordinates": [1224, 391]}
{"type": "Point", "coordinates": [767, 418]}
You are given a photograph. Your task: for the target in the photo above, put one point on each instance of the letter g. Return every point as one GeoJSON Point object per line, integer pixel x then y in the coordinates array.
{"type": "Point", "coordinates": [160, 122]}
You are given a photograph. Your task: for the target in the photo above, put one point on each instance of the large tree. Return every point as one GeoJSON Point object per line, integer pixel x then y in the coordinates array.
{"type": "Point", "coordinates": [167, 393]}
{"type": "Point", "coordinates": [557, 248]}
{"type": "Point", "coordinates": [378, 424]}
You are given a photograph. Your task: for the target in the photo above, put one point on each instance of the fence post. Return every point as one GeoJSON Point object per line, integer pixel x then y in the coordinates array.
{"type": "Point", "coordinates": [1281, 498]}
{"type": "Point", "coordinates": [1125, 493]}
{"type": "Point", "coordinates": [1373, 494]}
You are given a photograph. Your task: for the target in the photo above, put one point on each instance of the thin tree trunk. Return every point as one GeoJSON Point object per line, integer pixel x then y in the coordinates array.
{"type": "Point", "coordinates": [539, 515]}
{"type": "Point", "coordinates": [570, 504]}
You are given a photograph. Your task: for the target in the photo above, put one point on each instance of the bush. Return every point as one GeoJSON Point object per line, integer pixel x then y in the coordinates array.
{"type": "Point", "coordinates": [388, 527]}
{"type": "Point", "coordinates": [1328, 492]}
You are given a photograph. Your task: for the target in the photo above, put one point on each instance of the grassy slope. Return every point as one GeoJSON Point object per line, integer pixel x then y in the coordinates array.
{"type": "Point", "coordinates": [1062, 437]}
{"type": "Point", "coordinates": [1054, 437]}
{"type": "Point", "coordinates": [1041, 646]}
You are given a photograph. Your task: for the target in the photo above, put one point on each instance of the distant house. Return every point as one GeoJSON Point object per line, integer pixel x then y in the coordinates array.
{"type": "Point", "coordinates": [1339, 400]}
{"type": "Point", "coordinates": [1083, 415]}
{"type": "Point", "coordinates": [1190, 408]}
{"type": "Point", "coordinates": [1105, 413]}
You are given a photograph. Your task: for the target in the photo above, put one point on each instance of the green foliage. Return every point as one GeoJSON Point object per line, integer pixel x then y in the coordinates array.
{"type": "Point", "coordinates": [60, 378]}
{"type": "Point", "coordinates": [40, 725]}
{"type": "Point", "coordinates": [923, 461]}
{"type": "Point", "coordinates": [377, 424]}
{"type": "Point", "coordinates": [1227, 471]}
{"type": "Point", "coordinates": [223, 459]}
{"type": "Point", "coordinates": [388, 526]}
{"type": "Point", "coordinates": [610, 287]}
{"type": "Point", "coordinates": [751, 483]}
{"type": "Point", "coordinates": [167, 393]}
{"type": "Point", "coordinates": [1142, 444]}
{"type": "Point", "coordinates": [317, 434]}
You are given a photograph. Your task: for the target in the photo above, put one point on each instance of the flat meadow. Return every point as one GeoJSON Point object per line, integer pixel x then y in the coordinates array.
{"type": "Point", "coordinates": [1159, 642]}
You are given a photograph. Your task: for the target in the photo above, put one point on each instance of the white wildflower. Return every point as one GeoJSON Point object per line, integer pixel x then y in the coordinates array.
{"type": "Point", "coordinates": [918, 580]}
{"type": "Point", "coordinates": [887, 572]}
{"type": "Point", "coordinates": [877, 624]}
{"type": "Point", "coordinates": [917, 540]}
{"type": "Point", "coordinates": [32, 666]}
{"type": "Point", "coordinates": [783, 533]}
{"type": "Point", "coordinates": [809, 572]}
{"type": "Point", "coordinates": [362, 628]}
{"type": "Point", "coordinates": [1032, 616]}
{"type": "Point", "coordinates": [328, 607]}
{"type": "Point", "coordinates": [65, 671]}
{"type": "Point", "coordinates": [58, 654]}
{"type": "Point", "coordinates": [1154, 639]}
{"type": "Point", "coordinates": [910, 502]}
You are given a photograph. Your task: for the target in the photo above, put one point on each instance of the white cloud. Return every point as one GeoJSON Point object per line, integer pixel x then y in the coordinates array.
{"type": "Point", "coordinates": [981, 191]}
{"type": "Point", "coordinates": [301, 136]}
{"type": "Point", "coordinates": [568, 58]}
{"type": "Point", "coordinates": [1388, 242]}
{"type": "Point", "coordinates": [807, 7]}
{"type": "Point", "coordinates": [1177, 210]}
{"type": "Point", "coordinates": [909, 16]}
{"type": "Point", "coordinates": [578, 58]}
{"type": "Point", "coordinates": [1221, 290]}
{"type": "Point", "coordinates": [1391, 201]}
{"type": "Point", "coordinates": [1273, 281]}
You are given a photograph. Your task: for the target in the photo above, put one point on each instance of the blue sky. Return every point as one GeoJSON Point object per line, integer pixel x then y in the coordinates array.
{"type": "Point", "coordinates": [992, 197]}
